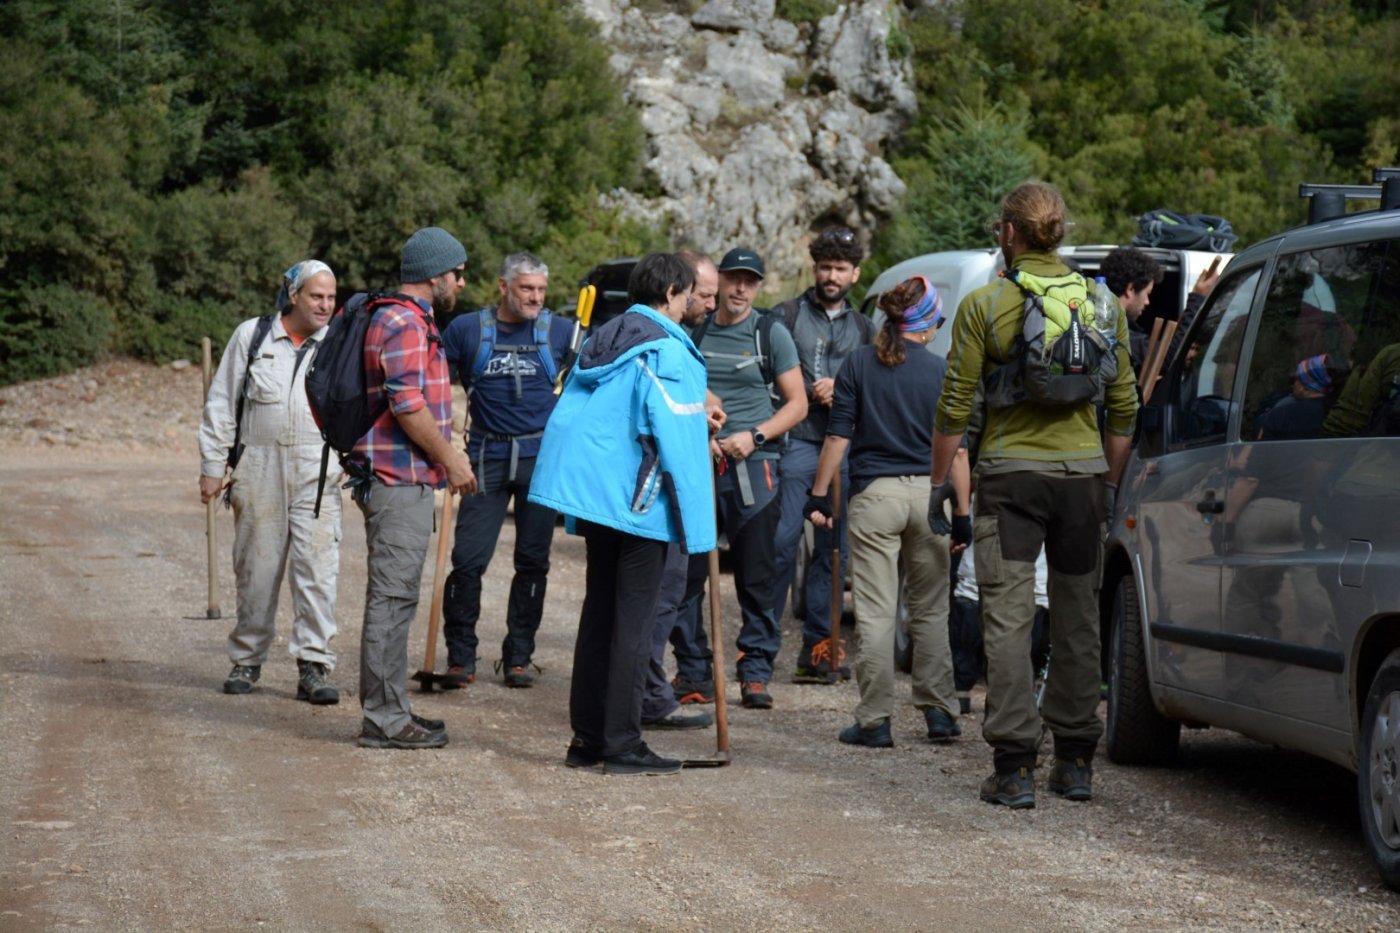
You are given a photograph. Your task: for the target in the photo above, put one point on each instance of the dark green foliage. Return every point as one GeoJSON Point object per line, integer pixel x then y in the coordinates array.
{"type": "Point", "coordinates": [174, 156]}
{"type": "Point", "coordinates": [804, 11]}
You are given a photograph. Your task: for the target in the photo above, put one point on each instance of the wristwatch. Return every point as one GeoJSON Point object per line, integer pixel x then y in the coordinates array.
{"type": "Point", "coordinates": [759, 438]}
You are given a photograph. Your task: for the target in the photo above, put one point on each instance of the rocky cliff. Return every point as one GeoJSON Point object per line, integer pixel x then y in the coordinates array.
{"type": "Point", "coordinates": [761, 131]}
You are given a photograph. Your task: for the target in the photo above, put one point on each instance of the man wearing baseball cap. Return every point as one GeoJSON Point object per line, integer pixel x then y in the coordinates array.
{"type": "Point", "coordinates": [409, 452]}
{"type": "Point", "coordinates": [752, 366]}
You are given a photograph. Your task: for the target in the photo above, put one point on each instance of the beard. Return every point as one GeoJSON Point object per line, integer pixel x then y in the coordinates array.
{"type": "Point", "coordinates": [832, 292]}
{"type": "Point", "coordinates": [444, 301]}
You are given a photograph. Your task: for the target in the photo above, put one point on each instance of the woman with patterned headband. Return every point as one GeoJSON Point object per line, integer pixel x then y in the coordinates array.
{"type": "Point", "coordinates": [883, 411]}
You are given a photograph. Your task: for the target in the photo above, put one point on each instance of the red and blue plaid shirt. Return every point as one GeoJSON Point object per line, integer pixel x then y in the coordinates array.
{"type": "Point", "coordinates": [404, 360]}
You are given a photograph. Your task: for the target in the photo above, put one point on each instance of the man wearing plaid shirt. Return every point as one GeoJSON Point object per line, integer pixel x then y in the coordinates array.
{"type": "Point", "coordinates": [410, 452]}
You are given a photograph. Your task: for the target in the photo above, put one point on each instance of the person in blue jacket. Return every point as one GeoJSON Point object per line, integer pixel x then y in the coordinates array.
{"type": "Point", "coordinates": [625, 456]}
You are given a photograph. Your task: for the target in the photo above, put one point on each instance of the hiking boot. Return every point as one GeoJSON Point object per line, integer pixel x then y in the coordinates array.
{"type": "Point", "coordinates": [1072, 779]}
{"type": "Point", "coordinates": [517, 675]}
{"type": "Point", "coordinates": [693, 691]}
{"type": "Point", "coordinates": [678, 720]}
{"type": "Point", "coordinates": [1014, 789]}
{"type": "Point", "coordinates": [754, 695]}
{"type": "Point", "coordinates": [432, 725]}
{"type": "Point", "coordinates": [641, 760]}
{"type": "Point", "coordinates": [312, 685]}
{"type": "Point", "coordinates": [458, 676]}
{"type": "Point", "coordinates": [876, 736]}
{"type": "Point", "coordinates": [580, 755]}
{"type": "Point", "coordinates": [941, 726]}
{"type": "Point", "coordinates": [412, 735]}
{"type": "Point", "coordinates": [814, 664]}
{"type": "Point", "coordinates": [242, 678]}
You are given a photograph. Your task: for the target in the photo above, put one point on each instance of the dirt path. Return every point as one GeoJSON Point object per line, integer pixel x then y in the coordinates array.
{"type": "Point", "coordinates": [136, 796]}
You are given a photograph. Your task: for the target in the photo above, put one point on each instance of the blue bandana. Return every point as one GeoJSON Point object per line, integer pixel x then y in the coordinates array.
{"type": "Point", "coordinates": [295, 277]}
{"type": "Point", "coordinates": [926, 312]}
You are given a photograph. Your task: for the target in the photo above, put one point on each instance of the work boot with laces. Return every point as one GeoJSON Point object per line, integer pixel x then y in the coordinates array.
{"type": "Point", "coordinates": [313, 685]}
{"type": "Point", "coordinates": [693, 691]}
{"type": "Point", "coordinates": [753, 694]}
{"type": "Point", "coordinates": [814, 663]}
{"type": "Point", "coordinates": [518, 675]}
{"type": "Point", "coordinates": [1013, 789]}
{"type": "Point", "coordinates": [242, 678]}
{"type": "Point", "coordinates": [1072, 779]}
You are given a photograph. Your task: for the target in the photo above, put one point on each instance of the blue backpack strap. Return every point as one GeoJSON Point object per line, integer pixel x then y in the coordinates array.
{"type": "Point", "coordinates": [486, 324]}
{"type": "Point", "coordinates": [542, 324]}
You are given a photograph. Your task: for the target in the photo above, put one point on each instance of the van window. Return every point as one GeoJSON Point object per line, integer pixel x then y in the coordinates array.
{"type": "Point", "coordinates": [1206, 391]}
{"type": "Point", "coordinates": [1368, 403]}
{"type": "Point", "coordinates": [1317, 306]}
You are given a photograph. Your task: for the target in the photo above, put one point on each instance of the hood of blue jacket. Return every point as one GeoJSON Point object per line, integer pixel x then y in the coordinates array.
{"type": "Point", "coordinates": [614, 344]}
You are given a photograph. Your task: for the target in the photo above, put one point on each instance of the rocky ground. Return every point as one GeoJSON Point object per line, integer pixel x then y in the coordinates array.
{"type": "Point", "coordinates": [136, 796]}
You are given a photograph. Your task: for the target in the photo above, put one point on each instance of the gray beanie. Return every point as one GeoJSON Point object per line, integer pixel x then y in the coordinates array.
{"type": "Point", "coordinates": [430, 252]}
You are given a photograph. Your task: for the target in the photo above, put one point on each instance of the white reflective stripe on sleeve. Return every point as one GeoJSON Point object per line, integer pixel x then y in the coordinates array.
{"type": "Point", "coordinates": [677, 408]}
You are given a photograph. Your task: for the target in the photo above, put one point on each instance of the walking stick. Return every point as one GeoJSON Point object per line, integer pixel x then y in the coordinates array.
{"type": "Point", "coordinates": [426, 677]}
{"type": "Point", "coordinates": [1149, 353]}
{"type": "Point", "coordinates": [1154, 368]}
{"type": "Point", "coordinates": [722, 756]}
{"type": "Point", "coordinates": [211, 507]}
{"type": "Point", "coordinates": [838, 590]}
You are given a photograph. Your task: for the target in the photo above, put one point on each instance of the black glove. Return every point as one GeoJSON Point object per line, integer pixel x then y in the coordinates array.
{"type": "Point", "coordinates": [937, 518]}
{"type": "Point", "coordinates": [962, 529]}
{"type": "Point", "coordinates": [819, 504]}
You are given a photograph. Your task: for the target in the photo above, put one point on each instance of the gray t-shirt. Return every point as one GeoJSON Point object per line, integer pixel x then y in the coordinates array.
{"type": "Point", "coordinates": [734, 375]}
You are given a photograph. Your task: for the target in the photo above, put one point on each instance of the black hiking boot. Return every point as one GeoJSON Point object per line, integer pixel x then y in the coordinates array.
{"type": "Point", "coordinates": [1013, 789]}
{"type": "Point", "coordinates": [242, 678]}
{"type": "Point", "coordinates": [1072, 779]}
{"type": "Point", "coordinates": [876, 736]}
{"type": "Point", "coordinates": [941, 726]}
{"type": "Point", "coordinates": [312, 685]}
{"type": "Point", "coordinates": [641, 760]}
{"type": "Point", "coordinates": [693, 691]}
{"type": "Point", "coordinates": [754, 694]}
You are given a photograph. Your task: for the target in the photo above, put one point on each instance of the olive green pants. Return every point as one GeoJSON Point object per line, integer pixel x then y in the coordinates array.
{"type": "Point", "coordinates": [889, 521]}
{"type": "Point", "coordinates": [1017, 513]}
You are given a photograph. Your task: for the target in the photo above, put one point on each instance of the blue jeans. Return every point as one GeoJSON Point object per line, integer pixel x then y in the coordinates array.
{"type": "Point", "coordinates": [798, 469]}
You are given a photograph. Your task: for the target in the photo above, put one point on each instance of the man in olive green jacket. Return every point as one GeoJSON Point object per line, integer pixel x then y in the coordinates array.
{"type": "Point", "coordinates": [1046, 476]}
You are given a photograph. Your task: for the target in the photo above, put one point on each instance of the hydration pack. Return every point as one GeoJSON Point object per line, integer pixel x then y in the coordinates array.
{"type": "Point", "coordinates": [1063, 359]}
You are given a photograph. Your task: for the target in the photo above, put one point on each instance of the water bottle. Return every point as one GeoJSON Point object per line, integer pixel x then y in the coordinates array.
{"type": "Point", "coordinates": [1105, 309]}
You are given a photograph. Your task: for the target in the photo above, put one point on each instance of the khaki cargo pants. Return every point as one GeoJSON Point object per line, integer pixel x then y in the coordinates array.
{"type": "Point", "coordinates": [1017, 513]}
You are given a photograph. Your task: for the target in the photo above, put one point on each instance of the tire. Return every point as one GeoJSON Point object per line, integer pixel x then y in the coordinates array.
{"type": "Point", "coordinates": [903, 644]}
{"type": "Point", "coordinates": [1378, 772]}
{"type": "Point", "coordinates": [1137, 734]}
{"type": "Point", "coordinates": [797, 595]}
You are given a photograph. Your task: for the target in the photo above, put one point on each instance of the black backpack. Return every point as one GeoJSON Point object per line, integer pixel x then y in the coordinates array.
{"type": "Point", "coordinates": [762, 345]}
{"type": "Point", "coordinates": [336, 389]}
{"type": "Point", "coordinates": [1170, 230]}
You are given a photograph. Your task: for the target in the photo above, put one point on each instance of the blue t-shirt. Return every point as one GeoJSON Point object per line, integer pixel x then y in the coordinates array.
{"type": "Point", "coordinates": [496, 411]}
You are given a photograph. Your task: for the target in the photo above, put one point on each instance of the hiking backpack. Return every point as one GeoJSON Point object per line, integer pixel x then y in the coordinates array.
{"type": "Point", "coordinates": [487, 347]}
{"type": "Point", "coordinates": [336, 388]}
{"type": "Point", "coordinates": [762, 345]}
{"type": "Point", "coordinates": [1063, 359]}
{"type": "Point", "coordinates": [1170, 230]}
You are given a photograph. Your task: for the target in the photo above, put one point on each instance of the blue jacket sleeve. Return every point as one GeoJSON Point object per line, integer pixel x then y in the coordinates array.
{"type": "Point", "coordinates": [675, 407]}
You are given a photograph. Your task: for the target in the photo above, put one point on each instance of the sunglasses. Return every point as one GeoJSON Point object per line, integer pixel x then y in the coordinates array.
{"type": "Point", "coordinates": [460, 272]}
{"type": "Point", "coordinates": [844, 237]}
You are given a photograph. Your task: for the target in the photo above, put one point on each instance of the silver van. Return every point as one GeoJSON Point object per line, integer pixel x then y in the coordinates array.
{"type": "Point", "coordinates": [1252, 572]}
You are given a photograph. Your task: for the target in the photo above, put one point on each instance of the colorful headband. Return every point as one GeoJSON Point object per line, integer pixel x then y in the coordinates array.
{"type": "Point", "coordinates": [1312, 373]}
{"type": "Point", "coordinates": [295, 277]}
{"type": "Point", "coordinates": [926, 312]}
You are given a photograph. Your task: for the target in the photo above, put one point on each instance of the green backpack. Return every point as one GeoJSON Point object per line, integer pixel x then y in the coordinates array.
{"type": "Point", "coordinates": [1064, 360]}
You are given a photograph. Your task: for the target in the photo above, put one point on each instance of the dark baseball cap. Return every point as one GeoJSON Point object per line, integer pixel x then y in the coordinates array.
{"type": "Point", "coordinates": [742, 259]}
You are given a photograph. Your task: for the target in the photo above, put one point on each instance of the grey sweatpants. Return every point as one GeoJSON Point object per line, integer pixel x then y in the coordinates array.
{"type": "Point", "coordinates": [398, 524]}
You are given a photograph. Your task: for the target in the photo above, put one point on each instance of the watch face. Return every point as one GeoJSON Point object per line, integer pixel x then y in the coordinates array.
{"type": "Point", "coordinates": [759, 438]}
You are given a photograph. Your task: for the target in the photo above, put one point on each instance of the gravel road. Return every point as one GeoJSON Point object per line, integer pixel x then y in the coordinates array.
{"type": "Point", "coordinates": [136, 796]}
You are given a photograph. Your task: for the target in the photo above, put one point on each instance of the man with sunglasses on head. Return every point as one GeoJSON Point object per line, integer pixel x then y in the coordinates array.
{"type": "Point", "coordinates": [409, 453]}
{"type": "Point", "coordinates": [507, 358]}
{"type": "Point", "coordinates": [827, 329]}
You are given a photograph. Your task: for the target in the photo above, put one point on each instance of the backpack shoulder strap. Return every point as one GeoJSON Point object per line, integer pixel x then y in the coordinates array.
{"type": "Point", "coordinates": [542, 323]}
{"type": "Point", "coordinates": [260, 332]}
{"type": "Point", "coordinates": [486, 336]}
{"type": "Point", "coordinates": [763, 346]}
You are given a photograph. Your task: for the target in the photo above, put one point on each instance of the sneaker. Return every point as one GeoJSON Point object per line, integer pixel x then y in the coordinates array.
{"type": "Point", "coordinates": [1014, 789]}
{"type": "Point", "coordinates": [458, 676]}
{"type": "Point", "coordinates": [814, 664]}
{"type": "Point", "coordinates": [580, 755]}
{"type": "Point", "coordinates": [517, 675]}
{"type": "Point", "coordinates": [641, 760]}
{"type": "Point", "coordinates": [413, 735]}
{"type": "Point", "coordinates": [693, 691]}
{"type": "Point", "coordinates": [312, 685]}
{"type": "Point", "coordinates": [1072, 779]}
{"type": "Point", "coordinates": [678, 720]}
{"type": "Point", "coordinates": [754, 694]}
{"type": "Point", "coordinates": [941, 726]}
{"type": "Point", "coordinates": [242, 678]}
{"type": "Point", "coordinates": [876, 736]}
{"type": "Point", "coordinates": [432, 725]}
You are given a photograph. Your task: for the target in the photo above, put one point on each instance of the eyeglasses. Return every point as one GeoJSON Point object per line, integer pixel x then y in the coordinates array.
{"type": "Point", "coordinates": [996, 230]}
{"type": "Point", "coordinates": [460, 273]}
{"type": "Point", "coordinates": [844, 237]}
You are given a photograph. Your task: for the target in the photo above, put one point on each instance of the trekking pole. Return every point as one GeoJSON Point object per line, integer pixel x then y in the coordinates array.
{"type": "Point", "coordinates": [583, 313]}
{"type": "Point", "coordinates": [1151, 371]}
{"type": "Point", "coordinates": [833, 674]}
{"type": "Point", "coordinates": [722, 756]}
{"type": "Point", "coordinates": [1149, 353]}
{"type": "Point", "coordinates": [211, 507]}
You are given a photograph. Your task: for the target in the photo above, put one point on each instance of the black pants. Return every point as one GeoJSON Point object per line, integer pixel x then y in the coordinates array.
{"type": "Point", "coordinates": [614, 638]}
{"type": "Point", "coordinates": [479, 521]}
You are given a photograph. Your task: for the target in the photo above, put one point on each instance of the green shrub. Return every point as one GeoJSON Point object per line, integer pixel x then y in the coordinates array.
{"type": "Point", "coordinates": [50, 329]}
{"type": "Point", "coordinates": [805, 11]}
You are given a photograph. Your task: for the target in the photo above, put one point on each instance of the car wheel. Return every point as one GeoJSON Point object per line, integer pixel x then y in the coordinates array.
{"type": "Point", "coordinates": [797, 595]}
{"type": "Point", "coordinates": [1378, 771]}
{"type": "Point", "coordinates": [1137, 734]}
{"type": "Point", "coordinates": [903, 644]}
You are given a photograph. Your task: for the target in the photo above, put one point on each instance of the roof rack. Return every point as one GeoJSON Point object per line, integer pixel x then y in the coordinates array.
{"type": "Point", "coordinates": [1328, 202]}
